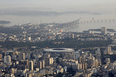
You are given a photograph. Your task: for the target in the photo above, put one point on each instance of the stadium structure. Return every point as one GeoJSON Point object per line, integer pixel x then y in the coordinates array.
{"type": "Point", "coordinates": [59, 50]}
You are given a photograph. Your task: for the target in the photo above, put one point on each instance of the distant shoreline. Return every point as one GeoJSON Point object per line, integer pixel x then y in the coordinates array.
{"type": "Point", "coordinates": [5, 22]}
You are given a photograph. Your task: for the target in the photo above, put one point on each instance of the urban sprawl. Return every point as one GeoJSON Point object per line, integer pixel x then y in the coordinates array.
{"type": "Point", "coordinates": [50, 50]}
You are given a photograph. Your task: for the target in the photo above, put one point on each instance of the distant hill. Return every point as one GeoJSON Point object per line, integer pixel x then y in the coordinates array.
{"type": "Point", "coordinates": [5, 22]}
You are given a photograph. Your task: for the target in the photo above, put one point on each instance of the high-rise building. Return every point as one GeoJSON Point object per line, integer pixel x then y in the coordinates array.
{"type": "Point", "coordinates": [21, 56]}
{"type": "Point", "coordinates": [7, 59]}
{"type": "Point", "coordinates": [31, 65]}
{"type": "Point", "coordinates": [39, 64]}
{"type": "Point", "coordinates": [90, 62]}
{"type": "Point", "coordinates": [96, 63]}
{"type": "Point", "coordinates": [74, 66]}
{"type": "Point", "coordinates": [80, 59]}
{"type": "Point", "coordinates": [84, 65]}
{"type": "Point", "coordinates": [71, 36]}
{"type": "Point", "coordinates": [0, 57]}
{"type": "Point", "coordinates": [83, 59]}
{"type": "Point", "coordinates": [49, 61]}
{"type": "Point", "coordinates": [80, 66]}
{"type": "Point", "coordinates": [103, 30]}
{"type": "Point", "coordinates": [43, 63]}
{"type": "Point", "coordinates": [46, 55]}
{"type": "Point", "coordinates": [109, 49]}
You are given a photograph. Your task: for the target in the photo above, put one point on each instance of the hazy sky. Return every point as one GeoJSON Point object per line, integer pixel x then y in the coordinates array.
{"type": "Point", "coordinates": [62, 5]}
{"type": "Point", "coordinates": [86, 9]}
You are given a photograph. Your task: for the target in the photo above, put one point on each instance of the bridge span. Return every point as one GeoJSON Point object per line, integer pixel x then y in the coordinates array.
{"type": "Point", "coordinates": [97, 21]}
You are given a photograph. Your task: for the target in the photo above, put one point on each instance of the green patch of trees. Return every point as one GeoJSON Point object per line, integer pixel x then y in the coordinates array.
{"type": "Point", "coordinates": [68, 43]}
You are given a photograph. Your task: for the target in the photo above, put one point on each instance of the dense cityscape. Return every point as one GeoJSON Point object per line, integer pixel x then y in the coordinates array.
{"type": "Point", "coordinates": [50, 50]}
{"type": "Point", "coordinates": [57, 38]}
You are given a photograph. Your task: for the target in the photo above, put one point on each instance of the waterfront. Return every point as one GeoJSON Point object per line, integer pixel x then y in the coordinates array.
{"type": "Point", "coordinates": [15, 20]}
{"type": "Point", "coordinates": [81, 27]}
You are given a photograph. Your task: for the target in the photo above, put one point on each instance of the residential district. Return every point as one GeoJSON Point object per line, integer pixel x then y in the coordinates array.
{"type": "Point", "coordinates": [56, 62]}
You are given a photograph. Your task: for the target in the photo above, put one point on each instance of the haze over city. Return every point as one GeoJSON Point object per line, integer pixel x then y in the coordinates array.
{"type": "Point", "coordinates": [61, 5]}
{"type": "Point", "coordinates": [57, 38]}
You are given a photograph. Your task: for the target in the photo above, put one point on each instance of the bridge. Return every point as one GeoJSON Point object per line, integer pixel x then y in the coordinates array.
{"type": "Point", "coordinates": [73, 23]}
{"type": "Point", "coordinates": [97, 21]}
